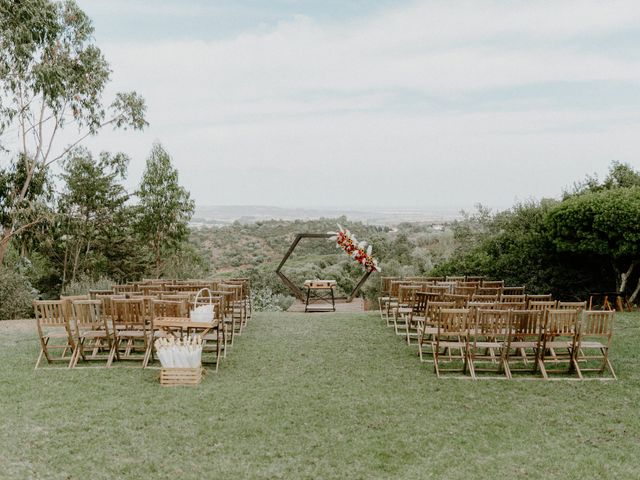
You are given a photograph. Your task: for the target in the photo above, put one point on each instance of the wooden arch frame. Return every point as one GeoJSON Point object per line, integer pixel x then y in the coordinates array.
{"type": "Point", "coordinates": [294, 289]}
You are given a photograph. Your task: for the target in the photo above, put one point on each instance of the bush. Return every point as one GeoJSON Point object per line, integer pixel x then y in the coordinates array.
{"type": "Point", "coordinates": [264, 300]}
{"type": "Point", "coordinates": [84, 284]}
{"type": "Point", "coordinates": [16, 295]}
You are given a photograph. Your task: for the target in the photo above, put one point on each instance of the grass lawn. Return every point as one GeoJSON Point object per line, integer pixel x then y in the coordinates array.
{"type": "Point", "coordinates": [314, 396]}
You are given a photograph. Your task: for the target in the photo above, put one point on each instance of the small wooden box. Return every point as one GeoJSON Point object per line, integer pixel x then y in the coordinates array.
{"type": "Point", "coordinates": [175, 377]}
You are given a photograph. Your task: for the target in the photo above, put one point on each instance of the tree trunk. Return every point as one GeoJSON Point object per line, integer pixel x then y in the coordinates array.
{"type": "Point", "coordinates": [636, 292]}
{"type": "Point", "coordinates": [4, 245]}
{"type": "Point", "coordinates": [624, 278]}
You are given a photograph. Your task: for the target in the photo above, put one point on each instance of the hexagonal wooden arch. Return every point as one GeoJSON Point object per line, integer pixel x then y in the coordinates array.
{"type": "Point", "coordinates": [294, 289]}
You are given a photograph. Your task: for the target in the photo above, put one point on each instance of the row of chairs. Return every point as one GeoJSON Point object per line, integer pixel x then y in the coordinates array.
{"type": "Point", "coordinates": [540, 336]}
{"type": "Point", "coordinates": [113, 326]}
{"type": "Point", "coordinates": [404, 292]}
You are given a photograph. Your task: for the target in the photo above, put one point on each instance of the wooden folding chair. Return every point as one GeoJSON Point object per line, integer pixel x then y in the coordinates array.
{"type": "Point", "coordinates": [54, 332]}
{"type": "Point", "coordinates": [392, 301]}
{"type": "Point", "coordinates": [489, 341]}
{"type": "Point", "coordinates": [452, 335]}
{"type": "Point", "coordinates": [523, 345]}
{"type": "Point", "coordinates": [93, 338]}
{"type": "Point", "coordinates": [559, 342]}
{"type": "Point", "coordinates": [596, 333]}
{"type": "Point", "coordinates": [416, 319]}
{"type": "Point", "coordinates": [226, 315]}
{"type": "Point", "coordinates": [404, 308]}
{"type": "Point", "coordinates": [429, 327]}
{"type": "Point", "coordinates": [131, 333]}
{"type": "Point", "coordinates": [385, 291]}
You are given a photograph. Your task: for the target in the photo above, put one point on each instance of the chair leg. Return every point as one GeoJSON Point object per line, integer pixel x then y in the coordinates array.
{"type": "Point", "coordinates": [39, 358]}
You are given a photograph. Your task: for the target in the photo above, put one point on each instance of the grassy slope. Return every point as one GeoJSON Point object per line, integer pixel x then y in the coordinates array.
{"type": "Point", "coordinates": [316, 396]}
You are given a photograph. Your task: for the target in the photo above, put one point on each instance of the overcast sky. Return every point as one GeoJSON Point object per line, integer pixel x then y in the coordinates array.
{"type": "Point", "coordinates": [362, 103]}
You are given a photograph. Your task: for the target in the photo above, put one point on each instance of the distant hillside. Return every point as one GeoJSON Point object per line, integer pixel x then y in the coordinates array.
{"type": "Point", "coordinates": [225, 215]}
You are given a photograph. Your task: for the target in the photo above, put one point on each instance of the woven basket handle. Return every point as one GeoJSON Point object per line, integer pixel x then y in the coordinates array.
{"type": "Point", "coordinates": [195, 300]}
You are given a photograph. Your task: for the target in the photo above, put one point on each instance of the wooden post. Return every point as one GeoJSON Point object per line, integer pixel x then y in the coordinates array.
{"type": "Point", "coordinates": [359, 286]}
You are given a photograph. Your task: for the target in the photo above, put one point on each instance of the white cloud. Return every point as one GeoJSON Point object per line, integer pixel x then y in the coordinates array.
{"type": "Point", "coordinates": [324, 103]}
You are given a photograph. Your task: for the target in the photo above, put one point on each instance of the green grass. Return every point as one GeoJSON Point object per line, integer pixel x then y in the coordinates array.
{"type": "Point", "coordinates": [314, 396]}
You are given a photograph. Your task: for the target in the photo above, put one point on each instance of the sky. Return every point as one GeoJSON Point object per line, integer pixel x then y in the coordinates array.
{"type": "Point", "coordinates": [364, 103]}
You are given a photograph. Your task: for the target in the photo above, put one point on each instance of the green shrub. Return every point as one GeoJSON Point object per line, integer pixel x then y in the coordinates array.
{"type": "Point", "coordinates": [84, 284]}
{"type": "Point", "coordinates": [16, 295]}
{"type": "Point", "coordinates": [264, 300]}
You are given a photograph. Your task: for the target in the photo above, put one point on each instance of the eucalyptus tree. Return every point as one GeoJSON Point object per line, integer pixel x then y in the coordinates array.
{"type": "Point", "coordinates": [52, 79]}
{"type": "Point", "coordinates": [89, 208]}
{"type": "Point", "coordinates": [165, 208]}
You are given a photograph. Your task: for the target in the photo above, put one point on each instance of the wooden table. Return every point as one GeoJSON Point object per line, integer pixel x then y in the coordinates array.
{"type": "Point", "coordinates": [319, 293]}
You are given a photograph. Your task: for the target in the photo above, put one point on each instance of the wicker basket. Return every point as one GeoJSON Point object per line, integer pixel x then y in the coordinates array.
{"type": "Point", "coordinates": [175, 377]}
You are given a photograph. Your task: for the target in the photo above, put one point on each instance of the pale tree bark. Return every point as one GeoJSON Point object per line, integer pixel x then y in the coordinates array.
{"type": "Point", "coordinates": [624, 277]}
{"type": "Point", "coordinates": [636, 292]}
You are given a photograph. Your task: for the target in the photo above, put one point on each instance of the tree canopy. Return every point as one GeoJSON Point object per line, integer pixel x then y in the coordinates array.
{"type": "Point", "coordinates": [165, 207]}
{"type": "Point", "coordinates": [52, 78]}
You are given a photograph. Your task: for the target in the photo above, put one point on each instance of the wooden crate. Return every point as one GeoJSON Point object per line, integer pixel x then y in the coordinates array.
{"type": "Point", "coordinates": [175, 377]}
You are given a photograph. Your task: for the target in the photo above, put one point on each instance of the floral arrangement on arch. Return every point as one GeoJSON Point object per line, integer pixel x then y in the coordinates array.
{"type": "Point", "coordinates": [357, 250]}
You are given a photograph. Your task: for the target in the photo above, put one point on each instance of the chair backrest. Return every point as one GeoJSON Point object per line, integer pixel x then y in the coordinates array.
{"type": "Point", "coordinates": [542, 304]}
{"type": "Point", "coordinates": [491, 323]}
{"type": "Point", "coordinates": [421, 301]}
{"type": "Point", "coordinates": [513, 298]}
{"type": "Point", "coordinates": [67, 301]}
{"type": "Point", "coordinates": [476, 278]}
{"type": "Point", "coordinates": [511, 305]}
{"type": "Point", "coordinates": [94, 293]}
{"type": "Point", "coordinates": [484, 298]}
{"type": "Point", "coordinates": [88, 314]}
{"type": "Point", "coordinates": [169, 308]}
{"type": "Point", "coordinates": [395, 285]}
{"type": "Point", "coordinates": [562, 322]}
{"type": "Point", "coordinates": [433, 279]}
{"type": "Point", "coordinates": [433, 308]}
{"type": "Point", "coordinates": [453, 322]}
{"type": "Point", "coordinates": [572, 306]}
{"type": "Point", "coordinates": [547, 297]}
{"type": "Point", "coordinates": [456, 278]}
{"type": "Point", "coordinates": [407, 294]}
{"type": "Point", "coordinates": [119, 289]}
{"type": "Point", "coordinates": [467, 290]}
{"type": "Point", "coordinates": [128, 312]}
{"type": "Point", "coordinates": [460, 301]}
{"type": "Point", "coordinates": [175, 297]}
{"type": "Point", "coordinates": [597, 323]}
{"type": "Point", "coordinates": [528, 324]}
{"type": "Point", "coordinates": [385, 284]}
{"type": "Point", "coordinates": [236, 289]}
{"type": "Point", "coordinates": [50, 313]}
{"type": "Point", "coordinates": [437, 289]}
{"type": "Point", "coordinates": [151, 289]}
{"type": "Point", "coordinates": [493, 284]}
{"type": "Point", "coordinates": [493, 291]}
{"type": "Point", "coordinates": [513, 290]}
